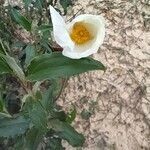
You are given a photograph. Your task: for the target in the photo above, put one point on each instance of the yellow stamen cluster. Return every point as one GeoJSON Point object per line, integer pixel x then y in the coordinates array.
{"type": "Point", "coordinates": [80, 34]}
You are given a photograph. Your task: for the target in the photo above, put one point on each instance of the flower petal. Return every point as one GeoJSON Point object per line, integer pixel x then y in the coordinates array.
{"type": "Point", "coordinates": [61, 35]}
{"type": "Point", "coordinates": [96, 26]}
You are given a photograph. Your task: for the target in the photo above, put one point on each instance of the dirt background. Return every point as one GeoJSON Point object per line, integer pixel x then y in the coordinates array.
{"type": "Point", "coordinates": [113, 107]}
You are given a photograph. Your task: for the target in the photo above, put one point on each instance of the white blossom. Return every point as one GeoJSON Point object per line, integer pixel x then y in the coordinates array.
{"type": "Point", "coordinates": [81, 37]}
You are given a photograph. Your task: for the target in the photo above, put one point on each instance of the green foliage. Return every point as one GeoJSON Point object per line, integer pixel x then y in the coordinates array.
{"type": "Point", "coordinates": [2, 49]}
{"type": "Point", "coordinates": [21, 20]}
{"type": "Point", "coordinates": [10, 127]}
{"type": "Point", "coordinates": [56, 65]}
{"type": "Point", "coordinates": [4, 31]}
{"type": "Point", "coordinates": [38, 116]}
{"type": "Point", "coordinates": [34, 138]}
{"type": "Point", "coordinates": [65, 4]}
{"type": "Point", "coordinates": [45, 27]}
{"type": "Point", "coordinates": [30, 54]}
{"type": "Point", "coordinates": [4, 67]}
{"type": "Point", "coordinates": [45, 31]}
{"type": "Point", "coordinates": [47, 100]}
{"type": "Point", "coordinates": [39, 4]}
{"type": "Point", "coordinates": [27, 3]}
{"type": "Point", "coordinates": [1, 105]}
{"type": "Point", "coordinates": [71, 115]}
{"type": "Point", "coordinates": [14, 66]}
{"type": "Point", "coordinates": [65, 131]}
{"type": "Point", "coordinates": [12, 102]}
{"type": "Point", "coordinates": [54, 144]}
{"type": "Point", "coordinates": [27, 54]}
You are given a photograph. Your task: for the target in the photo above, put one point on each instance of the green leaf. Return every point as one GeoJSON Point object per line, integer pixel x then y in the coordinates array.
{"type": "Point", "coordinates": [12, 102]}
{"type": "Point", "coordinates": [8, 64]}
{"type": "Point", "coordinates": [4, 115]}
{"type": "Point", "coordinates": [54, 144]}
{"type": "Point", "coordinates": [5, 30]}
{"type": "Point", "coordinates": [30, 54]}
{"type": "Point", "coordinates": [1, 101]}
{"type": "Point", "coordinates": [27, 2]}
{"type": "Point", "coordinates": [33, 138]}
{"type": "Point", "coordinates": [60, 115]}
{"type": "Point", "coordinates": [49, 96]}
{"type": "Point", "coordinates": [65, 131]}
{"type": "Point", "coordinates": [18, 44]}
{"type": "Point", "coordinates": [21, 19]}
{"type": "Point", "coordinates": [47, 99]}
{"type": "Point", "coordinates": [38, 115]}
{"type": "Point", "coordinates": [19, 143]}
{"type": "Point", "coordinates": [45, 44]}
{"type": "Point", "coordinates": [10, 127]}
{"type": "Point", "coordinates": [39, 4]}
{"type": "Point", "coordinates": [1, 106]}
{"type": "Point", "coordinates": [14, 66]}
{"type": "Point", "coordinates": [71, 115]}
{"type": "Point", "coordinates": [65, 4]}
{"type": "Point", "coordinates": [56, 65]}
{"type": "Point", "coordinates": [57, 85]}
{"type": "Point", "coordinates": [2, 49]}
{"type": "Point", "coordinates": [45, 32]}
{"type": "Point", "coordinates": [4, 68]}
{"type": "Point", "coordinates": [45, 27]}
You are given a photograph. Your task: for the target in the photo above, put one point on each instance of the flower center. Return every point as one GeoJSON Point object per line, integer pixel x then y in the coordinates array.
{"type": "Point", "coordinates": [80, 33]}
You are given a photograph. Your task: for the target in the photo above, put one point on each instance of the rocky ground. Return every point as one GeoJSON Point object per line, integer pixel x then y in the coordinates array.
{"type": "Point", "coordinates": [113, 107]}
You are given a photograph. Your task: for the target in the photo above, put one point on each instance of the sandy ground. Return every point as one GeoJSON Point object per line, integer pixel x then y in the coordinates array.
{"type": "Point", "coordinates": [119, 99]}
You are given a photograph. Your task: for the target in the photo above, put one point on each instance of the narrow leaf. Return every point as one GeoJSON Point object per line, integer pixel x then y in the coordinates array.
{"type": "Point", "coordinates": [13, 65]}
{"type": "Point", "coordinates": [47, 99]}
{"type": "Point", "coordinates": [1, 106]}
{"type": "Point", "coordinates": [45, 27]}
{"type": "Point", "coordinates": [56, 65]}
{"type": "Point", "coordinates": [2, 49]}
{"type": "Point", "coordinates": [4, 115]}
{"type": "Point", "coordinates": [4, 68]}
{"type": "Point", "coordinates": [30, 54]}
{"type": "Point", "coordinates": [21, 19]}
{"type": "Point", "coordinates": [65, 131]}
{"type": "Point", "coordinates": [45, 44]}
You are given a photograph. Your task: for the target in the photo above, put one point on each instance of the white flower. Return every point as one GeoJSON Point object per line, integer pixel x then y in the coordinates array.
{"type": "Point", "coordinates": [79, 38]}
